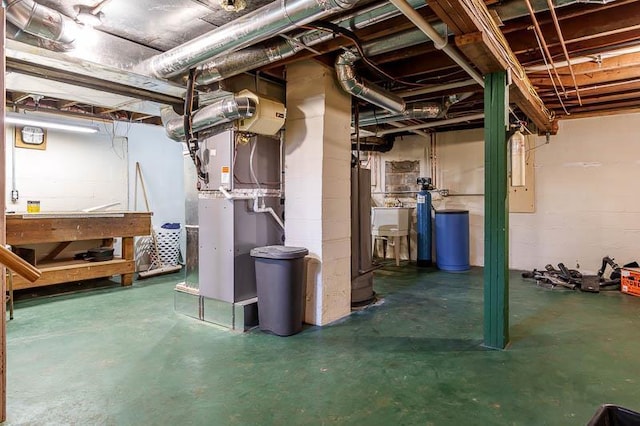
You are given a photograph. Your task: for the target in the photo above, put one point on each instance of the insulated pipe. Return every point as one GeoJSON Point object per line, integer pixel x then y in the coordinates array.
{"type": "Point", "coordinates": [42, 21]}
{"type": "Point", "coordinates": [431, 124]}
{"type": "Point", "coordinates": [245, 60]}
{"type": "Point", "coordinates": [355, 85]}
{"type": "Point", "coordinates": [261, 24]}
{"type": "Point", "coordinates": [439, 41]}
{"type": "Point", "coordinates": [222, 111]}
{"type": "Point", "coordinates": [276, 50]}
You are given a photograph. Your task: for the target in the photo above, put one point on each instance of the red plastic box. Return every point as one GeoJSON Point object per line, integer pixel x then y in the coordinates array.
{"type": "Point", "coordinates": [630, 281]}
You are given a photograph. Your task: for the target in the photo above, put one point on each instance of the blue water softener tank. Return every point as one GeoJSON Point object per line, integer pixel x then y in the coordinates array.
{"type": "Point", "coordinates": [452, 240]}
{"type": "Point", "coordinates": [423, 221]}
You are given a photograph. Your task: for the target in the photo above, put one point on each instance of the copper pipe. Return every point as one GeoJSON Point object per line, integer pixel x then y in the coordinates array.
{"type": "Point", "coordinates": [543, 42]}
{"type": "Point", "coordinates": [564, 49]}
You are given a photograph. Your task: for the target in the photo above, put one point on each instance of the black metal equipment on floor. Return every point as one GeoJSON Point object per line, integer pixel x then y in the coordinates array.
{"type": "Point", "coordinates": [573, 279]}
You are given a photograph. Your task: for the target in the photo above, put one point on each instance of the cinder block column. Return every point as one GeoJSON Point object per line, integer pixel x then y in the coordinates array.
{"type": "Point", "coordinates": [317, 187]}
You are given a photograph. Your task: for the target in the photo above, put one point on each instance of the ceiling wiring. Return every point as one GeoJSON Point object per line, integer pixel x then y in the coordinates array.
{"type": "Point", "coordinates": [555, 88]}
{"type": "Point", "coordinates": [350, 35]}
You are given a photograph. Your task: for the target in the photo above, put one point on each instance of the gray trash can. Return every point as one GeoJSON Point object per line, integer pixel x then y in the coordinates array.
{"type": "Point", "coordinates": [279, 281]}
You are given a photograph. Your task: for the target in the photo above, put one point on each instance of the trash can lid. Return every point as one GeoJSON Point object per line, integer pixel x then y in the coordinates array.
{"type": "Point", "coordinates": [279, 252]}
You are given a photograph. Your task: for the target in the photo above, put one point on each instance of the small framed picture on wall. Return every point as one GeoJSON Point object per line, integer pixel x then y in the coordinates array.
{"type": "Point", "coordinates": [31, 137]}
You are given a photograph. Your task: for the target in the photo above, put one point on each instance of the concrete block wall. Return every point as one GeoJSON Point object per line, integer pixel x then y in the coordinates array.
{"type": "Point", "coordinates": [317, 187]}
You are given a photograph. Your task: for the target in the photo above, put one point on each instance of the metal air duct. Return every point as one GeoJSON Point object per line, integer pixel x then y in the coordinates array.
{"type": "Point", "coordinates": [42, 21]}
{"type": "Point", "coordinates": [222, 111]}
{"type": "Point", "coordinates": [416, 111]}
{"type": "Point", "coordinates": [276, 50]}
{"type": "Point", "coordinates": [261, 24]}
{"type": "Point", "coordinates": [352, 83]}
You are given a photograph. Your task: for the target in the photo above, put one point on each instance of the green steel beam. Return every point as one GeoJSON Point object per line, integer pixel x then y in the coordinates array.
{"type": "Point", "coordinates": [496, 213]}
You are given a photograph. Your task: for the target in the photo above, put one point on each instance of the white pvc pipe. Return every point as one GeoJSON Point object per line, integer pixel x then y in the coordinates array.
{"type": "Point", "coordinates": [585, 59]}
{"type": "Point", "coordinates": [256, 209]}
{"type": "Point", "coordinates": [433, 89]}
{"type": "Point", "coordinates": [232, 197]}
{"type": "Point", "coordinates": [439, 42]}
{"type": "Point", "coordinates": [273, 214]}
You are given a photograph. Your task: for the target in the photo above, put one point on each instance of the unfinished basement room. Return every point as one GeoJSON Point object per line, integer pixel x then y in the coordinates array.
{"type": "Point", "coordinates": [320, 212]}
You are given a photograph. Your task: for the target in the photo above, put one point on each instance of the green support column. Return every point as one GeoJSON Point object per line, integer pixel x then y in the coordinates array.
{"type": "Point", "coordinates": [496, 213]}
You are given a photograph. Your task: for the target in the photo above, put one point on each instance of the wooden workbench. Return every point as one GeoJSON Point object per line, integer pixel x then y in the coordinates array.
{"type": "Point", "coordinates": [63, 228]}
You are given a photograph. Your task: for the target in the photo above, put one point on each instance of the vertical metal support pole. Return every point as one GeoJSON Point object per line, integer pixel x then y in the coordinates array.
{"type": "Point", "coordinates": [496, 213]}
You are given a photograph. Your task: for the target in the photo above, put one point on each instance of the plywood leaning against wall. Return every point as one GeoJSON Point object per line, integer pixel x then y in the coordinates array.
{"type": "Point", "coordinates": [522, 199]}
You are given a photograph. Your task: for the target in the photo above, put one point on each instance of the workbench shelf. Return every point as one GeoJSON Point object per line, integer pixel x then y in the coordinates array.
{"type": "Point", "coordinates": [63, 228]}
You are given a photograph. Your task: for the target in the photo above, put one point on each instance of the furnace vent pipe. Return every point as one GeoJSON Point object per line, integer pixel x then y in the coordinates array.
{"type": "Point", "coordinates": [220, 112]}
{"type": "Point", "coordinates": [416, 111]}
{"type": "Point", "coordinates": [42, 21]}
{"type": "Point", "coordinates": [254, 27]}
{"type": "Point", "coordinates": [352, 83]}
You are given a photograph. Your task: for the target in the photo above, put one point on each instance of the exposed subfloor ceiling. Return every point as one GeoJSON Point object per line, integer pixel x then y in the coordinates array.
{"type": "Point", "coordinates": [567, 58]}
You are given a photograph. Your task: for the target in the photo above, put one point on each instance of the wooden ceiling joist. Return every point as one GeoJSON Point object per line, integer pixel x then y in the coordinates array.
{"type": "Point", "coordinates": [604, 77]}
{"type": "Point", "coordinates": [594, 100]}
{"type": "Point", "coordinates": [626, 109]}
{"type": "Point", "coordinates": [490, 53]}
{"type": "Point", "coordinates": [600, 89]}
{"type": "Point", "coordinates": [580, 32]}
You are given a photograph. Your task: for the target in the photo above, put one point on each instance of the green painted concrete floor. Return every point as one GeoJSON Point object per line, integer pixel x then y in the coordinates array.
{"type": "Point", "coordinates": [123, 357]}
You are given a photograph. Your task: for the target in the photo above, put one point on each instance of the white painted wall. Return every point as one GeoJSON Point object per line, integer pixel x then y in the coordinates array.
{"type": "Point", "coordinates": [586, 186]}
{"type": "Point", "coordinates": [162, 164]}
{"type": "Point", "coordinates": [76, 171]}
{"type": "Point", "coordinates": [586, 203]}
{"type": "Point", "coordinates": [161, 161]}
